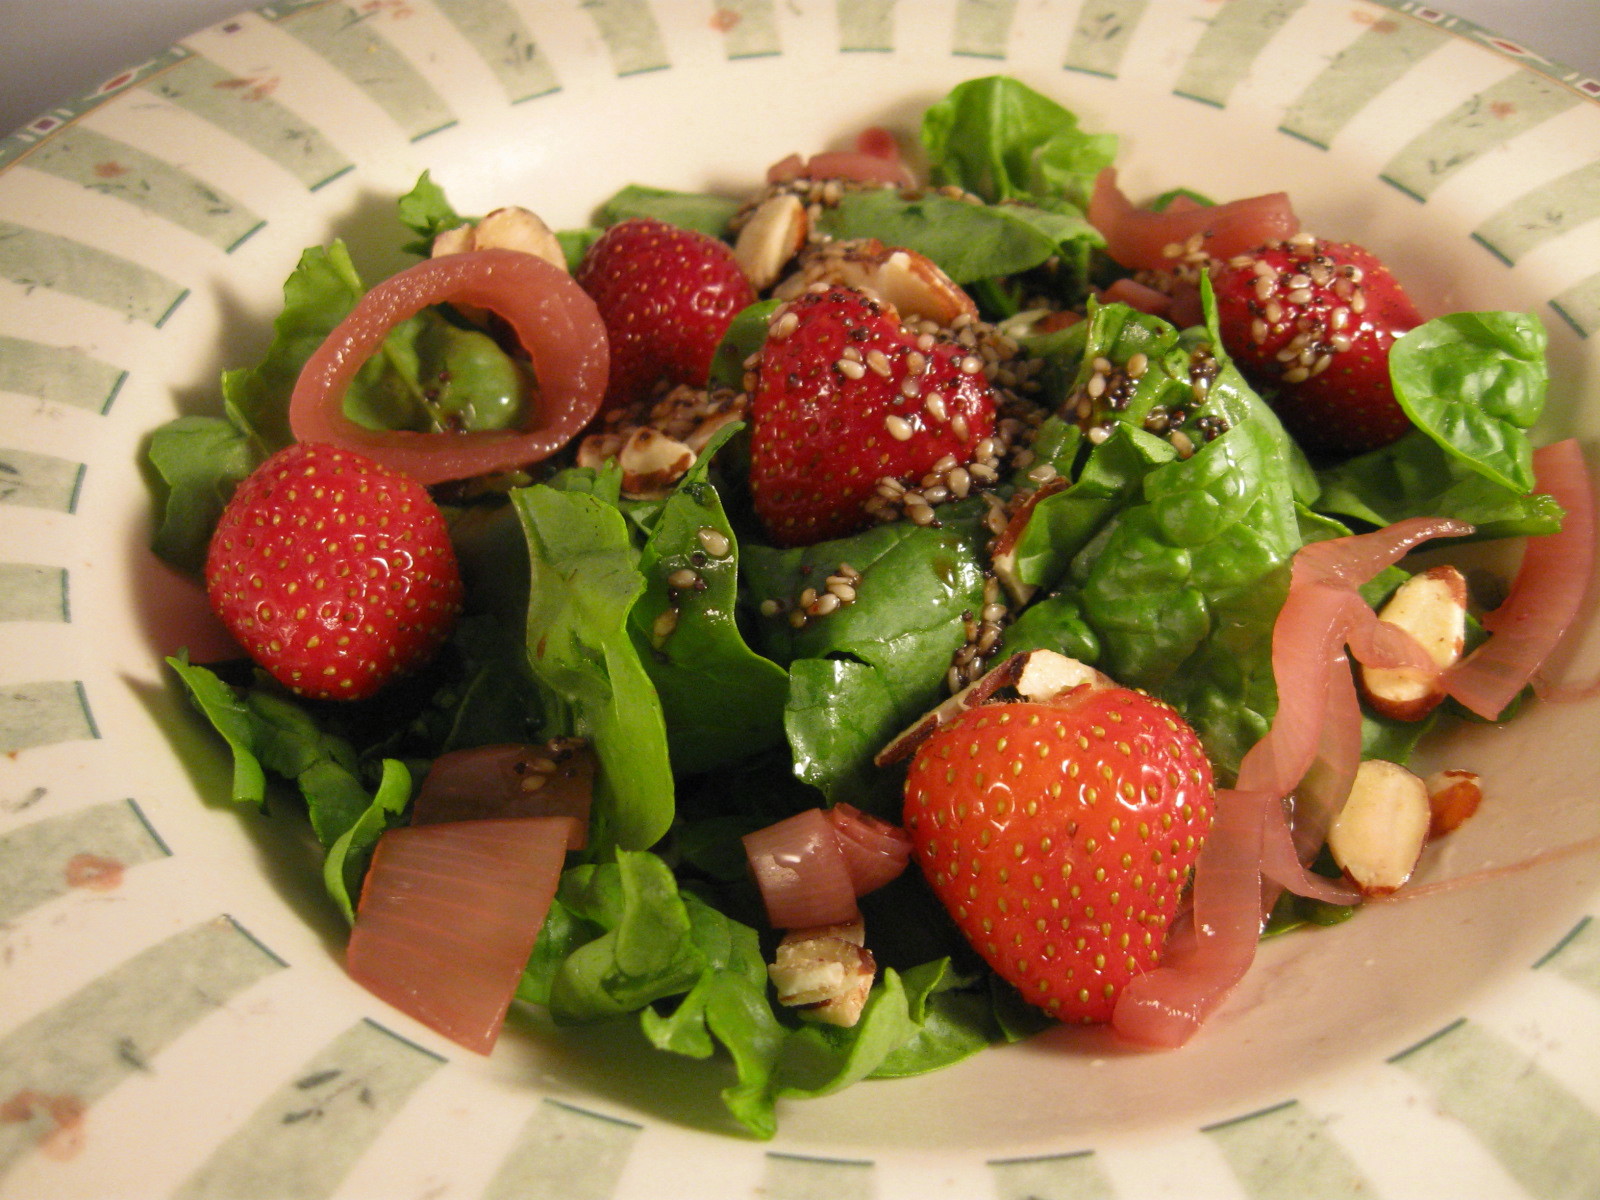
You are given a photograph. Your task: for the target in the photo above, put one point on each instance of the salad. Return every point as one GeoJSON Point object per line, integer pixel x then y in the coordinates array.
{"type": "Point", "coordinates": [625, 607]}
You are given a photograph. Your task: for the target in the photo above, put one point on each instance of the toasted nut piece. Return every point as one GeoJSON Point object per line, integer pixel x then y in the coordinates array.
{"type": "Point", "coordinates": [911, 282]}
{"type": "Point", "coordinates": [503, 229]}
{"type": "Point", "coordinates": [1432, 608]}
{"type": "Point", "coordinates": [1453, 796]}
{"type": "Point", "coordinates": [773, 235]}
{"type": "Point", "coordinates": [1038, 675]}
{"type": "Point", "coordinates": [596, 448]}
{"type": "Point", "coordinates": [652, 462]}
{"type": "Point", "coordinates": [701, 434]}
{"type": "Point", "coordinates": [518, 229]}
{"type": "Point", "coordinates": [453, 241]}
{"type": "Point", "coordinates": [826, 972]}
{"type": "Point", "coordinates": [1045, 675]}
{"type": "Point", "coordinates": [1379, 833]}
{"type": "Point", "coordinates": [1003, 554]}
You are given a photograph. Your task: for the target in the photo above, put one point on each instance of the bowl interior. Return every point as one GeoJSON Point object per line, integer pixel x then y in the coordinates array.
{"type": "Point", "coordinates": [690, 114]}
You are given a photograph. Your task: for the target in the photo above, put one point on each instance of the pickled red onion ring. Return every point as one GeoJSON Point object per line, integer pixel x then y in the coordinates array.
{"type": "Point", "coordinates": [811, 867]}
{"type": "Point", "coordinates": [875, 851]}
{"type": "Point", "coordinates": [1321, 614]}
{"type": "Point", "coordinates": [1138, 238]}
{"type": "Point", "coordinates": [801, 871]}
{"type": "Point", "coordinates": [556, 323]}
{"type": "Point", "coordinates": [1546, 594]}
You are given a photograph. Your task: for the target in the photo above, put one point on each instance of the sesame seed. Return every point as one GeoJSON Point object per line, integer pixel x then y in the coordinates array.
{"type": "Point", "coordinates": [878, 362]}
{"type": "Point", "coordinates": [935, 404]}
{"type": "Point", "coordinates": [970, 365]}
{"type": "Point", "coordinates": [1138, 364]}
{"type": "Point", "coordinates": [714, 540]}
{"type": "Point", "coordinates": [683, 579]}
{"type": "Point", "coordinates": [849, 368]}
{"type": "Point", "coordinates": [958, 426]}
{"type": "Point", "coordinates": [785, 324]}
{"type": "Point", "coordinates": [665, 624]}
{"type": "Point", "coordinates": [771, 607]}
{"type": "Point", "coordinates": [1296, 375]}
{"type": "Point", "coordinates": [899, 428]}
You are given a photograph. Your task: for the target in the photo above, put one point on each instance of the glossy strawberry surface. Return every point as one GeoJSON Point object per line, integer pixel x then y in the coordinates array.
{"type": "Point", "coordinates": [1060, 837]}
{"type": "Point", "coordinates": [845, 396]}
{"type": "Point", "coordinates": [333, 572]}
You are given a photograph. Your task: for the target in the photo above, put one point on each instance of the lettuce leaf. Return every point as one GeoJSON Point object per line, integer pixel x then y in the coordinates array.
{"type": "Point", "coordinates": [1002, 140]}
{"type": "Point", "coordinates": [968, 241]}
{"type": "Point", "coordinates": [584, 581]}
{"type": "Point", "coordinates": [1472, 383]}
{"type": "Point", "coordinates": [721, 701]}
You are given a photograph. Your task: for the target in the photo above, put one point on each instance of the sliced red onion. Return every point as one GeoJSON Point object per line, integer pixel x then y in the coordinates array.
{"type": "Point", "coordinates": [1138, 296]}
{"type": "Point", "coordinates": [1546, 595]}
{"type": "Point", "coordinates": [801, 871]}
{"type": "Point", "coordinates": [554, 320]}
{"type": "Point", "coordinates": [448, 916]}
{"type": "Point", "coordinates": [875, 851]}
{"type": "Point", "coordinates": [551, 780]}
{"type": "Point", "coordinates": [1140, 239]}
{"type": "Point", "coordinates": [1164, 1007]}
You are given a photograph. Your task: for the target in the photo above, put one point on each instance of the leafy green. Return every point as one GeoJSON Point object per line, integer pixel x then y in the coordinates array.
{"type": "Point", "coordinates": [721, 700]}
{"type": "Point", "coordinates": [1002, 140]}
{"type": "Point", "coordinates": [427, 212]}
{"type": "Point", "coordinates": [744, 336]}
{"type": "Point", "coordinates": [699, 211]}
{"type": "Point", "coordinates": [968, 241]}
{"type": "Point", "coordinates": [198, 462]}
{"type": "Point", "coordinates": [1472, 383]}
{"type": "Point", "coordinates": [269, 733]}
{"type": "Point", "coordinates": [905, 624]}
{"type": "Point", "coordinates": [623, 937]}
{"type": "Point", "coordinates": [584, 581]}
{"type": "Point", "coordinates": [346, 864]}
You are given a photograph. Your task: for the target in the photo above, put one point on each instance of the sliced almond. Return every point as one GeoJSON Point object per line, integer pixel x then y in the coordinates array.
{"type": "Point", "coordinates": [597, 448]}
{"type": "Point", "coordinates": [825, 972]}
{"type": "Point", "coordinates": [1046, 675]}
{"type": "Point", "coordinates": [1453, 796]}
{"type": "Point", "coordinates": [518, 229]}
{"type": "Point", "coordinates": [1432, 608]}
{"type": "Point", "coordinates": [770, 239]}
{"type": "Point", "coordinates": [909, 281]}
{"type": "Point", "coordinates": [509, 228]}
{"type": "Point", "coordinates": [452, 241]}
{"type": "Point", "coordinates": [652, 462]}
{"type": "Point", "coordinates": [1003, 554]}
{"type": "Point", "coordinates": [1379, 833]}
{"type": "Point", "coordinates": [1038, 675]}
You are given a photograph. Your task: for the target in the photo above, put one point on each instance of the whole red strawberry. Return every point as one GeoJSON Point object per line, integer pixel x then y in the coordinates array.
{"type": "Point", "coordinates": [333, 572]}
{"type": "Point", "coordinates": [666, 296]}
{"type": "Point", "coordinates": [1059, 836]}
{"type": "Point", "coordinates": [845, 396]}
{"type": "Point", "coordinates": [1310, 323]}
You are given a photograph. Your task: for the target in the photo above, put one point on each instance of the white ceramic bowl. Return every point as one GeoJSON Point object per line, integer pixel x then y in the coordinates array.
{"type": "Point", "coordinates": [174, 1019]}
